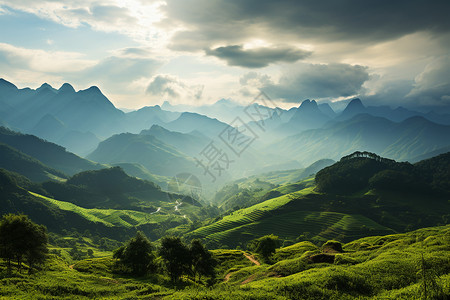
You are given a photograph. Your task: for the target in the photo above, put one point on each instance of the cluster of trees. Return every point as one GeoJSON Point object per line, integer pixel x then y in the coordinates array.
{"type": "Point", "coordinates": [23, 241]}
{"type": "Point", "coordinates": [365, 170]}
{"type": "Point", "coordinates": [366, 154]}
{"type": "Point", "coordinates": [265, 245]}
{"type": "Point", "coordinates": [139, 257]}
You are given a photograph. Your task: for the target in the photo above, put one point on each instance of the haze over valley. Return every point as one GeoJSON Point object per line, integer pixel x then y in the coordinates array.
{"type": "Point", "coordinates": [224, 150]}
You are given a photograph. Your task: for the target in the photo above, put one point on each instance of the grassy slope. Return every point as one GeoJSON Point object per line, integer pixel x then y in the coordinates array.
{"type": "Point", "coordinates": [288, 217]}
{"type": "Point", "coordinates": [376, 267]}
{"type": "Point", "coordinates": [13, 160]}
{"type": "Point", "coordinates": [110, 217]}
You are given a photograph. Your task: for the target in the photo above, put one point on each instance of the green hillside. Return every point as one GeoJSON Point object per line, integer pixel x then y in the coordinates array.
{"type": "Point", "coordinates": [291, 216]}
{"type": "Point", "coordinates": [154, 218]}
{"type": "Point", "coordinates": [112, 217]}
{"type": "Point", "coordinates": [375, 267]}
{"type": "Point", "coordinates": [255, 189]}
{"type": "Point", "coordinates": [48, 153]}
{"type": "Point", "coordinates": [397, 266]}
{"type": "Point", "coordinates": [13, 160]}
{"type": "Point", "coordinates": [139, 171]}
{"type": "Point", "coordinates": [363, 194]}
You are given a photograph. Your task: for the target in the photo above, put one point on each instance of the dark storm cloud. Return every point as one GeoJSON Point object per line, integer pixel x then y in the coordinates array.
{"type": "Point", "coordinates": [350, 20]}
{"type": "Point", "coordinates": [432, 86]}
{"type": "Point", "coordinates": [236, 55]}
{"type": "Point", "coordinates": [318, 81]}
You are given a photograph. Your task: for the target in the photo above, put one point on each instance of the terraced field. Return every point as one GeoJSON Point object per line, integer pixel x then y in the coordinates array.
{"type": "Point", "coordinates": [290, 218]}
{"type": "Point", "coordinates": [110, 217]}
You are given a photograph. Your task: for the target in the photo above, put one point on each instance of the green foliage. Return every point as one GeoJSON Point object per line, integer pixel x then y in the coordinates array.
{"type": "Point", "coordinates": [22, 239]}
{"type": "Point", "coordinates": [16, 161]}
{"type": "Point", "coordinates": [49, 154]}
{"type": "Point", "coordinates": [137, 255]}
{"type": "Point", "coordinates": [176, 257]}
{"type": "Point", "coordinates": [332, 246]}
{"type": "Point", "coordinates": [364, 170]}
{"type": "Point", "coordinates": [203, 262]}
{"type": "Point", "coordinates": [265, 245]}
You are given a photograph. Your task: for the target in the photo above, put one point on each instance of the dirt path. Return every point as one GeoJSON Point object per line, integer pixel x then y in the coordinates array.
{"type": "Point", "coordinates": [227, 277]}
{"type": "Point", "coordinates": [252, 259]}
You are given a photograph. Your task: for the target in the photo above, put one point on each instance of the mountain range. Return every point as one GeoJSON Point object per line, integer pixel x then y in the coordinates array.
{"type": "Point", "coordinates": [154, 141]}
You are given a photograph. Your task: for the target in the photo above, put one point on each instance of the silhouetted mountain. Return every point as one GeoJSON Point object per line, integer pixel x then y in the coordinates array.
{"type": "Point", "coordinates": [139, 171]}
{"type": "Point", "coordinates": [185, 142]}
{"type": "Point", "coordinates": [224, 110]}
{"type": "Point", "coordinates": [307, 116]}
{"type": "Point", "coordinates": [13, 160]}
{"type": "Point", "coordinates": [355, 107]}
{"type": "Point", "coordinates": [66, 88]}
{"type": "Point", "coordinates": [398, 114]}
{"type": "Point", "coordinates": [76, 120]}
{"type": "Point", "coordinates": [48, 153]}
{"type": "Point", "coordinates": [158, 157]}
{"type": "Point", "coordinates": [327, 110]}
{"type": "Point", "coordinates": [79, 142]}
{"type": "Point", "coordinates": [145, 117]}
{"type": "Point", "coordinates": [430, 154]}
{"type": "Point", "coordinates": [188, 122]}
{"type": "Point", "coordinates": [49, 128]}
{"type": "Point", "coordinates": [400, 141]}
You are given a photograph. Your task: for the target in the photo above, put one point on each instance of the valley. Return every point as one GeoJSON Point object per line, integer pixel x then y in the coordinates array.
{"type": "Point", "coordinates": [372, 182]}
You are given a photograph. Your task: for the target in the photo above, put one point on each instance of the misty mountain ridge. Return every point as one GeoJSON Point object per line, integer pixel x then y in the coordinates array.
{"type": "Point", "coordinates": [79, 120]}
{"type": "Point", "coordinates": [400, 141]}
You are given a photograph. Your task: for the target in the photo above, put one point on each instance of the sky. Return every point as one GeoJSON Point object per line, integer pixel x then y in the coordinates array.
{"type": "Point", "coordinates": [143, 52]}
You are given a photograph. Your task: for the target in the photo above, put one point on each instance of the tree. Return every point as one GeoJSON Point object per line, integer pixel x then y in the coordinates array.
{"type": "Point", "coordinates": [265, 245]}
{"type": "Point", "coordinates": [176, 257]}
{"type": "Point", "coordinates": [137, 254]}
{"type": "Point", "coordinates": [22, 239]}
{"type": "Point", "coordinates": [202, 261]}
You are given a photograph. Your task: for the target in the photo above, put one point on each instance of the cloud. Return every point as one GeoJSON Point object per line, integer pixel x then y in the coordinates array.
{"type": "Point", "coordinates": [14, 58]}
{"type": "Point", "coordinates": [236, 55]}
{"type": "Point", "coordinates": [208, 22]}
{"type": "Point", "coordinates": [116, 73]}
{"type": "Point", "coordinates": [388, 91]}
{"type": "Point", "coordinates": [133, 18]}
{"type": "Point", "coordinates": [318, 81]}
{"type": "Point", "coordinates": [172, 88]}
{"type": "Point", "coordinates": [432, 86]}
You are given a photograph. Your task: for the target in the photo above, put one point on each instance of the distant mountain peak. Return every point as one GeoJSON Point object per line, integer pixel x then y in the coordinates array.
{"type": "Point", "coordinates": [44, 86]}
{"type": "Point", "coordinates": [353, 108]}
{"type": "Point", "coordinates": [226, 102]}
{"type": "Point", "coordinates": [156, 127]}
{"type": "Point", "coordinates": [308, 104]}
{"type": "Point", "coordinates": [94, 90]}
{"type": "Point", "coordinates": [6, 84]}
{"type": "Point", "coordinates": [166, 104]}
{"type": "Point", "coordinates": [355, 103]}
{"type": "Point", "coordinates": [66, 88]}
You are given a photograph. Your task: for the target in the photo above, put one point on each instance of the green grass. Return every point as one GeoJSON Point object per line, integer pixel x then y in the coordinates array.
{"type": "Point", "coordinates": [376, 267]}
{"type": "Point", "coordinates": [290, 217]}
{"type": "Point", "coordinates": [109, 217]}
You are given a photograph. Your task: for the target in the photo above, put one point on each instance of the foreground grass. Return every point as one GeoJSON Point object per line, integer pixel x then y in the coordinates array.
{"type": "Point", "coordinates": [377, 267]}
